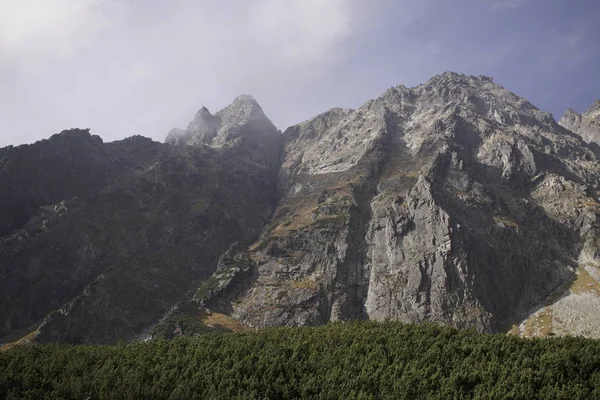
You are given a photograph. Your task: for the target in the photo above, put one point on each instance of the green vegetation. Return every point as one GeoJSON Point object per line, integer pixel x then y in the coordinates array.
{"type": "Point", "coordinates": [201, 205]}
{"type": "Point", "coordinates": [329, 220]}
{"type": "Point", "coordinates": [358, 360]}
{"type": "Point", "coordinates": [206, 287]}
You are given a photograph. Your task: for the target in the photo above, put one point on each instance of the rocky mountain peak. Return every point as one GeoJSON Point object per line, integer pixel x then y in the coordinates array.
{"type": "Point", "coordinates": [450, 77]}
{"type": "Point", "coordinates": [203, 127]}
{"type": "Point", "coordinates": [594, 110]}
{"type": "Point", "coordinates": [243, 109]}
{"type": "Point", "coordinates": [571, 111]}
{"type": "Point", "coordinates": [570, 117]}
{"type": "Point", "coordinates": [245, 99]}
{"type": "Point", "coordinates": [477, 93]}
{"type": "Point", "coordinates": [75, 135]}
{"type": "Point", "coordinates": [203, 114]}
{"type": "Point", "coordinates": [240, 118]}
{"type": "Point", "coordinates": [341, 139]}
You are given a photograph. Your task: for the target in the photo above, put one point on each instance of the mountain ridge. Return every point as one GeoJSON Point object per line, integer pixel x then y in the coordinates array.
{"type": "Point", "coordinates": [455, 201]}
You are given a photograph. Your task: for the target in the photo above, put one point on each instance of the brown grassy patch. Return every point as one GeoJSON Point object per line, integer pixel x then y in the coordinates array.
{"type": "Point", "coordinates": [463, 195]}
{"type": "Point", "coordinates": [301, 216]}
{"type": "Point", "coordinates": [585, 283]}
{"type": "Point", "coordinates": [213, 319]}
{"type": "Point", "coordinates": [306, 283]}
{"type": "Point", "coordinates": [500, 137]}
{"type": "Point", "coordinates": [400, 171]}
{"type": "Point", "coordinates": [590, 204]}
{"type": "Point", "coordinates": [509, 222]}
{"type": "Point", "coordinates": [515, 330]}
{"type": "Point", "coordinates": [29, 338]}
{"type": "Point", "coordinates": [301, 210]}
{"type": "Point", "coordinates": [539, 324]}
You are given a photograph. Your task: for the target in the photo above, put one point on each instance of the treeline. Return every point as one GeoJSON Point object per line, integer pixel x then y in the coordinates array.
{"type": "Point", "coordinates": [358, 360]}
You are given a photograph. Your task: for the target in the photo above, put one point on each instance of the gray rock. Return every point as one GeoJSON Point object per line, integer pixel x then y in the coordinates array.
{"type": "Point", "coordinates": [586, 125]}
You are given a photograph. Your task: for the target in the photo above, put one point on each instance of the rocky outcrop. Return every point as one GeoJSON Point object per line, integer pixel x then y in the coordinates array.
{"type": "Point", "coordinates": [242, 120]}
{"type": "Point", "coordinates": [586, 125]}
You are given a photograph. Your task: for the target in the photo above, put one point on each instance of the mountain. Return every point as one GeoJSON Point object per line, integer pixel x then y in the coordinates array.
{"type": "Point", "coordinates": [455, 201]}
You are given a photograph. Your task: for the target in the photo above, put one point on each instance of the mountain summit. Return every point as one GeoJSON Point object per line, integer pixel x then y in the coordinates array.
{"type": "Point", "coordinates": [244, 116]}
{"type": "Point", "coordinates": [455, 201]}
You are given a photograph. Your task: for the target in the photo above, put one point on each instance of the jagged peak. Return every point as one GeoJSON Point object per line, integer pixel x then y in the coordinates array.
{"type": "Point", "coordinates": [203, 120]}
{"type": "Point", "coordinates": [243, 102]}
{"type": "Point", "coordinates": [136, 140]}
{"type": "Point", "coordinates": [203, 113]}
{"type": "Point", "coordinates": [244, 108]}
{"type": "Point", "coordinates": [570, 112]}
{"type": "Point", "coordinates": [465, 83]}
{"type": "Point", "coordinates": [594, 107]}
{"type": "Point", "coordinates": [75, 134]}
{"type": "Point", "coordinates": [245, 98]}
{"type": "Point", "coordinates": [206, 127]}
{"type": "Point", "coordinates": [457, 77]}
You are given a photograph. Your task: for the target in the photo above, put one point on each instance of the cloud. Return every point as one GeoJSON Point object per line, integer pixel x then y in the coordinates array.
{"type": "Point", "coordinates": [304, 31]}
{"type": "Point", "coordinates": [566, 49]}
{"type": "Point", "coordinates": [141, 71]}
{"type": "Point", "coordinates": [99, 63]}
{"type": "Point", "coordinates": [54, 25]}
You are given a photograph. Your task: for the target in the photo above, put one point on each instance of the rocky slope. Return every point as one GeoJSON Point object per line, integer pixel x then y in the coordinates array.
{"type": "Point", "coordinates": [455, 201]}
{"type": "Point", "coordinates": [586, 125]}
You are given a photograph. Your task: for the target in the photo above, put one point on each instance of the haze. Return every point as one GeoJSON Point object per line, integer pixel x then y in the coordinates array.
{"type": "Point", "coordinates": [125, 67]}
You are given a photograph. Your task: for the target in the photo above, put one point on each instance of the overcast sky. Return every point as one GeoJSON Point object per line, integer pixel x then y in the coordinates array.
{"type": "Point", "coordinates": [125, 67]}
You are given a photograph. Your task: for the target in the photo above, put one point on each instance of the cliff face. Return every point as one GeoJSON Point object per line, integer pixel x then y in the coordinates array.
{"type": "Point", "coordinates": [587, 125]}
{"type": "Point", "coordinates": [455, 201]}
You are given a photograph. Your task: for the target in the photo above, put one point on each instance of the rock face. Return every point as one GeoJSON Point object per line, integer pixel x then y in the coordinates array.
{"type": "Point", "coordinates": [586, 125]}
{"type": "Point", "coordinates": [455, 201]}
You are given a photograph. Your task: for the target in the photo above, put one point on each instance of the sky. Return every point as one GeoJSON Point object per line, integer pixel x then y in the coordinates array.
{"type": "Point", "coordinates": [142, 67]}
